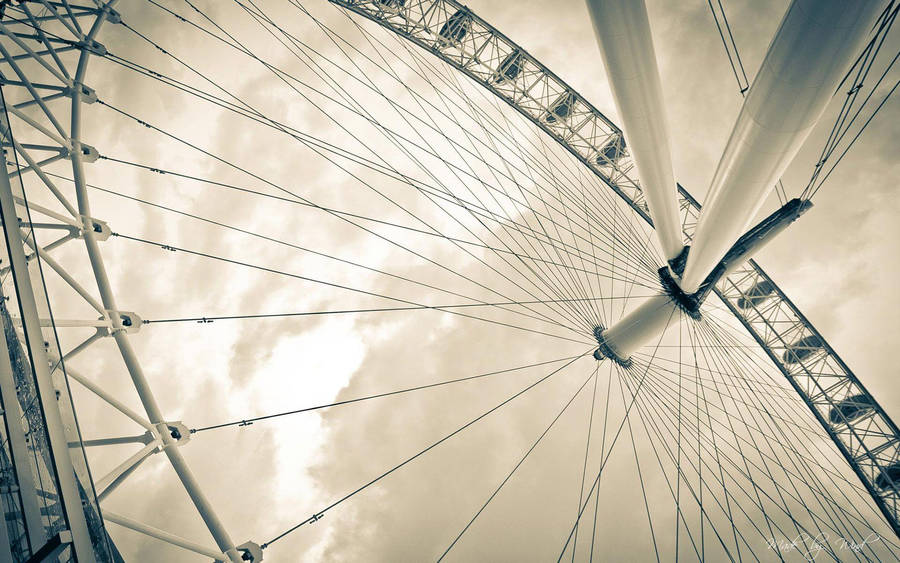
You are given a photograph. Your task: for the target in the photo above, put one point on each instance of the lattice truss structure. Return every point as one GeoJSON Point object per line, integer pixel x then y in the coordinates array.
{"type": "Point", "coordinates": [45, 48]}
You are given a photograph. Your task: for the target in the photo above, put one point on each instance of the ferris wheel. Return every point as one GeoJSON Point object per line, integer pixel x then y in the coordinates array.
{"type": "Point", "coordinates": [365, 280]}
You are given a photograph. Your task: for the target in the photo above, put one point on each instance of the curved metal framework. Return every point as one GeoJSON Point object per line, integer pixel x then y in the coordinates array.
{"type": "Point", "coordinates": [45, 53]}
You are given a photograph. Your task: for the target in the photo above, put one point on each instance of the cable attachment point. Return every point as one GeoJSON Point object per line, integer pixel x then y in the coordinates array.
{"type": "Point", "coordinates": [604, 351]}
{"type": "Point", "coordinates": [176, 430]}
{"type": "Point", "coordinates": [315, 518]}
{"type": "Point", "coordinates": [128, 321]}
{"type": "Point", "coordinates": [250, 551]}
{"type": "Point", "coordinates": [100, 228]}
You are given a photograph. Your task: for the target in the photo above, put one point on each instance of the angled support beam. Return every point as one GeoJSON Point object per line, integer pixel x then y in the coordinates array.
{"type": "Point", "coordinates": [806, 60]}
{"type": "Point", "coordinates": [626, 45]}
{"type": "Point", "coordinates": [167, 537]}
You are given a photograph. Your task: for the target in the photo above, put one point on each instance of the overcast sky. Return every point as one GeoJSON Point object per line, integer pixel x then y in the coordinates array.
{"type": "Point", "coordinates": [839, 264]}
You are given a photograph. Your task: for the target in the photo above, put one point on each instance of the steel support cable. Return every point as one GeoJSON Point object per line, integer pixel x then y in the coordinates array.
{"type": "Point", "coordinates": [743, 456]}
{"type": "Point", "coordinates": [587, 450]}
{"type": "Point", "coordinates": [331, 210]}
{"type": "Point", "coordinates": [615, 439]}
{"type": "Point", "coordinates": [275, 69]}
{"type": "Point", "coordinates": [515, 468]}
{"type": "Point", "coordinates": [743, 85]}
{"type": "Point", "coordinates": [502, 305]}
{"type": "Point", "coordinates": [250, 420]}
{"type": "Point", "coordinates": [839, 130]}
{"type": "Point", "coordinates": [652, 417]}
{"type": "Point", "coordinates": [674, 492]}
{"type": "Point", "coordinates": [772, 389]}
{"type": "Point", "coordinates": [858, 133]}
{"type": "Point", "coordinates": [822, 490]}
{"type": "Point", "coordinates": [652, 390]}
{"type": "Point", "coordinates": [433, 445]}
{"type": "Point", "coordinates": [170, 247]}
{"type": "Point", "coordinates": [727, 355]}
{"type": "Point", "coordinates": [195, 147]}
{"type": "Point", "coordinates": [609, 377]}
{"type": "Point", "coordinates": [443, 134]}
{"type": "Point", "coordinates": [645, 416]}
{"type": "Point", "coordinates": [244, 50]}
{"type": "Point", "coordinates": [212, 318]}
{"type": "Point", "coordinates": [431, 149]}
{"type": "Point", "coordinates": [715, 450]}
{"type": "Point", "coordinates": [856, 487]}
{"type": "Point", "coordinates": [234, 187]}
{"type": "Point", "coordinates": [453, 83]}
{"type": "Point", "coordinates": [640, 473]}
{"type": "Point", "coordinates": [354, 77]}
{"type": "Point", "coordinates": [656, 389]}
{"type": "Point", "coordinates": [277, 126]}
{"type": "Point", "coordinates": [664, 384]}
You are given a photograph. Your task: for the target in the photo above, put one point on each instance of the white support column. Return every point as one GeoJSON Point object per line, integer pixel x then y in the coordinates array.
{"type": "Point", "coordinates": [626, 45]}
{"type": "Point", "coordinates": [126, 466]}
{"type": "Point", "coordinates": [647, 321]}
{"type": "Point", "coordinates": [168, 537]}
{"type": "Point", "coordinates": [811, 51]}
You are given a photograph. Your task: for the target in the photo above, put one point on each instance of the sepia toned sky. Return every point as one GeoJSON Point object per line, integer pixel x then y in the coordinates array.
{"type": "Point", "coordinates": [839, 264]}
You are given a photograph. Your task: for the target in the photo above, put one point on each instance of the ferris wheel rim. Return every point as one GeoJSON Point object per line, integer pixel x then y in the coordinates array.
{"type": "Point", "coordinates": [107, 292]}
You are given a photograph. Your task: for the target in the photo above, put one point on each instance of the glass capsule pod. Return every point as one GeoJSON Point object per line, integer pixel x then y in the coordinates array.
{"type": "Point", "coordinates": [888, 474]}
{"type": "Point", "coordinates": [802, 349]}
{"type": "Point", "coordinates": [392, 6]}
{"type": "Point", "coordinates": [561, 108]}
{"type": "Point", "coordinates": [757, 294]}
{"type": "Point", "coordinates": [455, 28]}
{"type": "Point", "coordinates": [510, 68]}
{"type": "Point", "coordinates": [850, 409]}
{"type": "Point", "coordinates": [611, 152]}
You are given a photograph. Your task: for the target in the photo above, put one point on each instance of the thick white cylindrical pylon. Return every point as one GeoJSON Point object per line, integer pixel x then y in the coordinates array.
{"type": "Point", "coordinates": [623, 33]}
{"type": "Point", "coordinates": [815, 44]}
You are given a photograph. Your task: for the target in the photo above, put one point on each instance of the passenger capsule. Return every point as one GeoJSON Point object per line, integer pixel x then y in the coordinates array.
{"type": "Point", "coordinates": [758, 293]}
{"type": "Point", "coordinates": [892, 472]}
{"type": "Point", "coordinates": [510, 68]}
{"type": "Point", "coordinates": [455, 28]}
{"type": "Point", "coordinates": [802, 349]}
{"type": "Point", "coordinates": [850, 408]}
{"type": "Point", "coordinates": [561, 108]}
{"type": "Point", "coordinates": [611, 151]}
{"type": "Point", "coordinates": [392, 5]}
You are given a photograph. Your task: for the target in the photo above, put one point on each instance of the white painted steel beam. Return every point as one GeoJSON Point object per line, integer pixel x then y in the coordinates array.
{"type": "Point", "coordinates": [815, 44]}
{"type": "Point", "coordinates": [626, 45]}
{"type": "Point", "coordinates": [168, 537]}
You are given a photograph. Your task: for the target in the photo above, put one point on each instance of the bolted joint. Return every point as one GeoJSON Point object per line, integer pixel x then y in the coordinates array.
{"type": "Point", "coordinates": [92, 46]}
{"type": "Point", "coordinates": [677, 264]}
{"type": "Point", "coordinates": [128, 321]}
{"type": "Point", "coordinates": [88, 94]}
{"type": "Point", "coordinates": [250, 551]}
{"type": "Point", "coordinates": [113, 16]}
{"type": "Point", "coordinates": [177, 431]}
{"type": "Point", "coordinates": [100, 229]}
{"type": "Point", "coordinates": [88, 154]}
{"type": "Point", "coordinates": [688, 303]}
{"type": "Point", "coordinates": [604, 351]}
